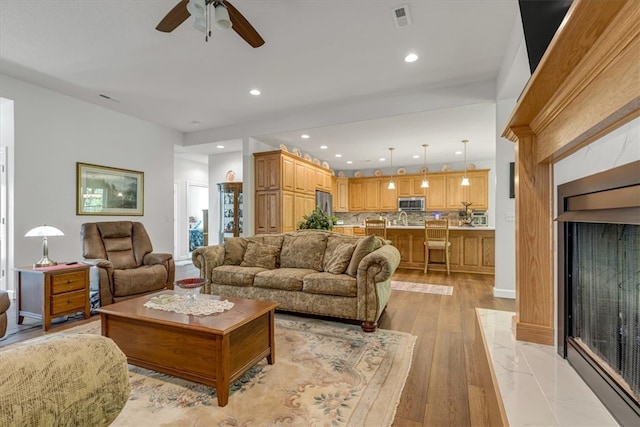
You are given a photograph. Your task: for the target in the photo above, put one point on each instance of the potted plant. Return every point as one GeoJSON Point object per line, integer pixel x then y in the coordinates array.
{"type": "Point", "coordinates": [318, 220]}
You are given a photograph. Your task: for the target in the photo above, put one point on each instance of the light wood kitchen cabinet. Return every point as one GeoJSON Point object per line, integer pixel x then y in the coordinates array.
{"type": "Point", "coordinates": [323, 180]}
{"type": "Point", "coordinates": [343, 230]}
{"type": "Point", "coordinates": [476, 192]}
{"type": "Point", "coordinates": [356, 195]}
{"type": "Point", "coordinates": [267, 219]}
{"type": "Point", "coordinates": [288, 174]}
{"type": "Point", "coordinates": [287, 209]}
{"type": "Point", "coordinates": [472, 250]}
{"type": "Point", "coordinates": [285, 190]}
{"type": "Point", "coordinates": [267, 172]}
{"type": "Point", "coordinates": [436, 193]}
{"type": "Point", "coordinates": [303, 204]}
{"type": "Point", "coordinates": [410, 186]}
{"type": "Point", "coordinates": [372, 194]}
{"type": "Point", "coordinates": [388, 198]}
{"type": "Point", "coordinates": [341, 195]}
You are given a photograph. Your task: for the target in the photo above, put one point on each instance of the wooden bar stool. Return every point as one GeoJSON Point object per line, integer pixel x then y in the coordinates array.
{"type": "Point", "coordinates": [375, 227]}
{"type": "Point", "coordinates": [436, 237]}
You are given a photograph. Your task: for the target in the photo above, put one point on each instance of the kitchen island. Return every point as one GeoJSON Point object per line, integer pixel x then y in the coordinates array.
{"type": "Point", "coordinates": [472, 248]}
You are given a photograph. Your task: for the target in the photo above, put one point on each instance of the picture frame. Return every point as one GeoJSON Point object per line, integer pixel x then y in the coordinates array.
{"type": "Point", "coordinates": [104, 190]}
{"type": "Point", "coordinates": [512, 180]}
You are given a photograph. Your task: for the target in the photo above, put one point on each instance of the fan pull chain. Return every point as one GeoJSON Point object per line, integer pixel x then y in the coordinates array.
{"type": "Point", "coordinates": [207, 32]}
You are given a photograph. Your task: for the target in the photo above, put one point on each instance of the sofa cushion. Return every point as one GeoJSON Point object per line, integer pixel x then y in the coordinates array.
{"type": "Point", "coordinates": [304, 250]}
{"type": "Point", "coordinates": [139, 280]}
{"type": "Point", "coordinates": [235, 275]}
{"type": "Point", "coordinates": [363, 248]}
{"type": "Point", "coordinates": [333, 241]}
{"type": "Point", "coordinates": [339, 260]}
{"type": "Point", "coordinates": [269, 239]}
{"type": "Point", "coordinates": [234, 249]}
{"type": "Point", "coordinates": [260, 255]}
{"type": "Point", "coordinates": [286, 279]}
{"type": "Point", "coordinates": [330, 284]}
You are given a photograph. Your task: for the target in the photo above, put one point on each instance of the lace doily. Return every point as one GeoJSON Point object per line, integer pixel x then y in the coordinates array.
{"type": "Point", "coordinates": [186, 305]}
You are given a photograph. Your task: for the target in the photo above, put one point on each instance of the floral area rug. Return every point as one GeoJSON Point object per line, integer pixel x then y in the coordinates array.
{"type": "Point", "coordinates": [424, 288]}
{"type": "Point", "coordinates": [325, 374]}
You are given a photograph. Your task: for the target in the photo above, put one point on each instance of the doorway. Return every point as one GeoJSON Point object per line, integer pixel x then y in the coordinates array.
{"type": "Point", "coordinates": [197, 214]}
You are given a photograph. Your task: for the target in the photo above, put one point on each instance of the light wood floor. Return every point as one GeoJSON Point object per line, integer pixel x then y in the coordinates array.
{"type": "Point", "coordinates": [444, 386]}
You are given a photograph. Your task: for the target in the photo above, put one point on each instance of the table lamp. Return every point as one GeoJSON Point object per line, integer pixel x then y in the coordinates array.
{"type": "Point", "coordinates": [44, 231]}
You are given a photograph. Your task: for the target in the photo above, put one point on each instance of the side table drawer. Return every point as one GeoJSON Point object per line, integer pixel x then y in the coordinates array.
{"type": "Point", "coordinates": [65, 303]}
{"type": "Point", "coordinates": [67, 282]}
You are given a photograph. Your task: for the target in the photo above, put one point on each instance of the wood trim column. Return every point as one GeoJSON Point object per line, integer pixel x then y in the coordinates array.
{"type": "Point", "coordinates": [534, 242]}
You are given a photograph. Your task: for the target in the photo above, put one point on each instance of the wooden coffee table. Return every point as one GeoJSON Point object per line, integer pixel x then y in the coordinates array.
{"type": "Point", "coordinates": [214, 350]}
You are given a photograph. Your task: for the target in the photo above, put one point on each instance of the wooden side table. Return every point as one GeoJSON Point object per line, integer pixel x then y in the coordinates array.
{"type": "Point", "coordinates": [49, 292]}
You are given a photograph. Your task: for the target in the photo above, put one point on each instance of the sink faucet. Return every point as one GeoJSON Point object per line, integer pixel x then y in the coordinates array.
{"type": "Point", "coordinates": [402, 215]}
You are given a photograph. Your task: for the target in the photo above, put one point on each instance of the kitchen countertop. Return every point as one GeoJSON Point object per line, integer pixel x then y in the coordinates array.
{"type": "Point", "coordinates": [419, 227]}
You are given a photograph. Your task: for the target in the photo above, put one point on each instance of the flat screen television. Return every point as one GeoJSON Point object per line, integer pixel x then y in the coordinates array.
{"type": "Point", "coordinates": [540, 21]}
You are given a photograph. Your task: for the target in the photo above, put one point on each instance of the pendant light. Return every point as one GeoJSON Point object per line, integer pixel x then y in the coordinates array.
{"type": "Point", "coordinates": [425, 182]}
{"type": "Point", "coordinates": [465, 180]}
{"type": "Point", "coordinates": [392, 185]}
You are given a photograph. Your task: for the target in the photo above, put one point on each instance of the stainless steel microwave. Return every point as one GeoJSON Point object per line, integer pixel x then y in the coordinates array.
{"type": "Point", "coordinates": [411, 204]}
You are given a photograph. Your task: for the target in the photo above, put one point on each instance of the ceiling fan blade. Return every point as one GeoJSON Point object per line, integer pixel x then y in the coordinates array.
{"type": "Point", "coordinates": [174, 18]}
{"type": "Point", "coordinates": [243, 27]}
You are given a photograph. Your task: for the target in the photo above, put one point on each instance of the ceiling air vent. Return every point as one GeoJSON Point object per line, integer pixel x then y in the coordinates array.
{"type": "Point", "coordinates": [401, 16]}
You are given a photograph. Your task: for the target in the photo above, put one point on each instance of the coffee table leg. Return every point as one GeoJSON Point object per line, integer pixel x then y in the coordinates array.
{"type": "Point", "coordinates": [271, 358]}
{"type": "Point", "coordinates": [224, 368]}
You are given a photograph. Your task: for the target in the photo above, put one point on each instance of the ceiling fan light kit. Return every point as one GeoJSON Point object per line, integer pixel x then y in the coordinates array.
{"type": "Point", "coordinates": [225, 16]}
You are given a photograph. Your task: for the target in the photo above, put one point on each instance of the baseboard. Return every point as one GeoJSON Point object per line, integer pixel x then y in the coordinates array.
{"type": "Point", "coordinates": [504, 293]}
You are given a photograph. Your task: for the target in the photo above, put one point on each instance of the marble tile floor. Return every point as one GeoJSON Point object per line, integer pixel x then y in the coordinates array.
{"type": "Point", "coordinates": [537, 386]}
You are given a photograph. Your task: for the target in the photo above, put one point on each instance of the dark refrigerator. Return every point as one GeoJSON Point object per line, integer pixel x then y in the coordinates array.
{"type": "Point", "coordinates": [325, 201]}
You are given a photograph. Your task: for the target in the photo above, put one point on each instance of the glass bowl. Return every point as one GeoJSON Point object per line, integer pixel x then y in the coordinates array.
{"type": "Point", "coordinates": [190, 287]}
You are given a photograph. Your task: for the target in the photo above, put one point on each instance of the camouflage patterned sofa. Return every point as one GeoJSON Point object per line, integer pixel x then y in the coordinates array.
{"type": "Point", "coordinates": [307, 271]}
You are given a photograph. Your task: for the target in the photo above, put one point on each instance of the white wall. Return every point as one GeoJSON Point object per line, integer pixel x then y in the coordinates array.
{"type": "Point", "coordinates": [219, 165]}
{"type": "Point", "coordinates": [185, 172]}
{"type": "Point", "coordinates": [505, 208]}
{"type": "Point", "coordinates": [52, 133]}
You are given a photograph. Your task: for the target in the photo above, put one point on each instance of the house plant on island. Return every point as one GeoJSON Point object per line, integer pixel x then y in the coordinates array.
{"type": "Point", "coordinates": [318, 219]}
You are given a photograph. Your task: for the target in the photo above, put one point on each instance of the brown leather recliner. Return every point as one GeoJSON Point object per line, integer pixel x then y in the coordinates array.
{"type": "Point", "coordinates": [128, 267]}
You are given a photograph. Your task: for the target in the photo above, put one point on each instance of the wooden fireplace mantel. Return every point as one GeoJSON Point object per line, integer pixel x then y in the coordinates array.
{"type": "Point", "coordinates": [586, 85]}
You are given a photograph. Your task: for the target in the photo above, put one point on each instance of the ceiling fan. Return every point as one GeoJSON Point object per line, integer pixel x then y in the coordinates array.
{"type": "Point", "coordinates": [225, 16]}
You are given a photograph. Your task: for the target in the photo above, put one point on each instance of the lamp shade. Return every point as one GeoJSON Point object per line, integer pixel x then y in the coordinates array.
{"type": "Point", "coordinates": [223, 21]}
{"type": "Point", "coordinates": [44, 231]}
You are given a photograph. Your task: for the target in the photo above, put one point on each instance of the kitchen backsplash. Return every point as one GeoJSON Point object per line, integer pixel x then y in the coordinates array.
{"type": "Point", "coordinates": [413, 218]}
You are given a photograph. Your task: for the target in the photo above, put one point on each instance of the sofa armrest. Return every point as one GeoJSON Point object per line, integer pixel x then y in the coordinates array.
{"type": "Point", "coordinates": [206, 258]}
{"type": "Point", "coordinates": [99, 262]}
{"type": "Point", "coordinates": [374, 281]}
{"type": "Point", "coordinates": [380, 264]}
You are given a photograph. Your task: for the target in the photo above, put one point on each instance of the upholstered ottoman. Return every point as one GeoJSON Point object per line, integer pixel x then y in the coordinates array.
{"type": "Point", "coordinates": [4, 306]}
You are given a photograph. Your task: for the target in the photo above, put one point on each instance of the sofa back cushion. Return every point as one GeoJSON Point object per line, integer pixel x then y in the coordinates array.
{"type": "Point", "coordinates": [333, 241]}
{"type": "Point", "coordinates": [234, 249]}
{"type": "Point", "coordinates": [260, 255]}
{"type": "Point", "coordinates": [364, 247]}
{"type": "Point", "coordinates": [303, 250]}
{"type": "Point", "coordinates": [339, 260]}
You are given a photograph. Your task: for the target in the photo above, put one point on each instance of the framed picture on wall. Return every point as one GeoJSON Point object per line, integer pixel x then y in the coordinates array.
{"type": "Point", "coordinates": [512, 180]}
{"type": "Point", "coordinates": [103, 190]}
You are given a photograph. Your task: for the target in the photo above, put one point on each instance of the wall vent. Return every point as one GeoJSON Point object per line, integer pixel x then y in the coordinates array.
{"type": "Point", "coordinates": [401, 16]}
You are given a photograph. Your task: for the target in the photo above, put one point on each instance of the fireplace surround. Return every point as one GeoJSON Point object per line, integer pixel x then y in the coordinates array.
{"type": "Point", "coordinates": [599, 285]}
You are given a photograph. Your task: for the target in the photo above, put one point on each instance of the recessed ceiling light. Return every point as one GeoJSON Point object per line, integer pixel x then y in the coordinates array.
{"type": "Point", "coordinates": [254, 92]}
{"type": "Point", "coordinates": [382, 159]}
{"type": "Point", "coordinates": [457, 153]}
{"type": "Point", "coordinates": [219, 146]}
{"type": "Point", "coordinates": [338, 155]}
{"type": "Point", "coordinates": [412, 57]}
{"type": "Point", "coordinates": [349, 162]}
{"type": "Point", "coordinates": [195, 122]}
{"type": "Point", "coordinates": [416, 156]}
{"type": "Point", "coordinates": [323, 147]}
{"type": "Point", "coordinates": [304, 136]}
